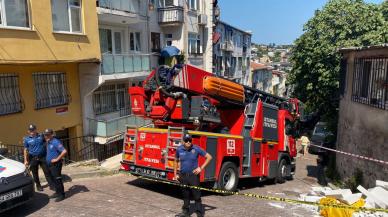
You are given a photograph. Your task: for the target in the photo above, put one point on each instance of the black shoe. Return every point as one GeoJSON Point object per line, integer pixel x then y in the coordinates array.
{"type": "Point", "coordinates": [182, 214]}
{"type": "Point", "coordinates": [199, 214]}
{"type": "Point", "coordinates": [60, 198]}
{"type": "Point", "coordinates": [39, 188]}
{"type": "Point", "coordinates": [55, 195]}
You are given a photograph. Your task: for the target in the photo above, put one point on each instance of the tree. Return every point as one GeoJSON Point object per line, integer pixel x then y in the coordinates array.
{"type": "Point", "coordinates": [315, 59]}
{"type": "Point", "coordinates": [277, 57]}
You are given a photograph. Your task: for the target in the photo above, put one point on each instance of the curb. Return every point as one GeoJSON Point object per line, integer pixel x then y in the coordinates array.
{"type": "Point", "coordinates": [68, 177]}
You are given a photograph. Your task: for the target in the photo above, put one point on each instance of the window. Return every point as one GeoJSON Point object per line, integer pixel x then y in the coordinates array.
{"type": "Point", "coordinates": [370, 82]}
{"type": "Point", "coordinates": [168, 39]}
{"type": "Point", "coordinates": [66, 15]}
{"type": "Point", "coordinates": [50, 89]}
{"type": "Point", "coordinates": [111, 98]}
{"type": "Point", "coordinates": [155, 42]}
{"type": "Point", "coordinates": [111, 41]}
{"type": "Point", "coordinates": [134, 41]}
{"type": "Point", "coordinates": [106, 41]}
{"type": "Point", "coordinates": [10, 100]}
{"type": "Point", "coordinates": [240, 63]}
{"type": "Point", "coordinates": [165, 3]}
{"type": "Point", "coordinates": [193, 5]}
{"type": "Point", "coordinates": [14, 13]}
{"type": "Point", "coordinates": [194, 43]}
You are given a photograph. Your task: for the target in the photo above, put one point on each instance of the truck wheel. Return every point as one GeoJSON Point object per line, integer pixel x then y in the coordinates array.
{"type": "Point", "coordinates": [228, 179]}
{"type": "Point", "coordinates": [282, 171]}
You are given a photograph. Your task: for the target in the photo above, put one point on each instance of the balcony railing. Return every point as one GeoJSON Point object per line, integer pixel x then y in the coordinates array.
{"type": "Point", "coordinates": [171, 15]}
{"type": "Point", "coordinates": [114, 127]}
{"type": "Point", "coordinates": [131, 6]}
{"type": "Point", "coordinates": [125, 63]}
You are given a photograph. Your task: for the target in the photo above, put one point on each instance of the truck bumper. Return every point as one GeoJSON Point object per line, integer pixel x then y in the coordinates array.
{"type": "Point", "coordinates": [146, 171]}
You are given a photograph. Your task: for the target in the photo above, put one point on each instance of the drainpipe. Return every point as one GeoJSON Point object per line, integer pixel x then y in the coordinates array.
{"type": "Point", "coordinates": [148, 32]}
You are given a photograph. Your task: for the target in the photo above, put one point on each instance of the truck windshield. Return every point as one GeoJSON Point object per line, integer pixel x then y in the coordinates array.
{"type": "Point", "coordinates": [320, 130]}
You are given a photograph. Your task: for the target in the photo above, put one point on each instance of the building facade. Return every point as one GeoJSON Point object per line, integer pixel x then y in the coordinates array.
{"type": "Point", "coordinates": [132, 33]}
{"type": "Point", "coordinates": [232, 52]}
{"type": "Point", "coordinates": [125, 61]}
{"type": "Point", "coordinates": [44, 47]}
{"type": "Point", "coordinates": [185, 24]}
{"type": "Point", "coordinates": [267, 79]}
{"type": "Point", "coordinates": [363, 113]}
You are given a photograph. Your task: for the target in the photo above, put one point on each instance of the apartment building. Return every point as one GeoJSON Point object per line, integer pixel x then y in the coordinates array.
{"type": "Point", "coordinates": [44, 48]}
{"type": "Point", "coordinates": [267, 79]}
{"type": "Point", "coordinates": [185, 24]}
{"type": "Point", "coordinates": [363, 113]}
{"type": "Point", "coordinates": [232, 52]}
{"type": "Point", "coordinates": [125, 61]}
{"type": "Point", "coordinates": [132, 33]}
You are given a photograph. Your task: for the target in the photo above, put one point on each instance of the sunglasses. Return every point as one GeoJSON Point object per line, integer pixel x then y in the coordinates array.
{"type": "Point", "coordinates": [186, 140]}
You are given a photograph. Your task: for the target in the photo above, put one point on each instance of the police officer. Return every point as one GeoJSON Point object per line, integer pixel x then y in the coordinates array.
{"type": "Point", "coordinates": [187, 160]}
{"type": "Point", "coordinates": [34, 155]}
{"type": "Point", "coordinates": [55, 153]}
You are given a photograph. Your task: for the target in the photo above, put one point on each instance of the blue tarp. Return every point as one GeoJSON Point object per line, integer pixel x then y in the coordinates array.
{"type": "Point", "coordinates": [169, 51]}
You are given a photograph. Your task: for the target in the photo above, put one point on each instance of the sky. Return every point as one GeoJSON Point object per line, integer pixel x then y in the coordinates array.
{"type": "Point", "coordinates": [272, 21]}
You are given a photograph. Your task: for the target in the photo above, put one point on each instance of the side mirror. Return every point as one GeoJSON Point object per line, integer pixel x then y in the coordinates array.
{"type": "Point", "coordinates": [3, 151]}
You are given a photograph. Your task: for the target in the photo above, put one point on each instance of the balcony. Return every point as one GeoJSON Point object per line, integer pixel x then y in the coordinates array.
{"type": "Point", "coordinates": [227, 46]}
{"type": "Point", "coordinates": [171, 16]}
{"type": "Point", "coordinates": [125, 63]}
{"type": "Point", "coordinates": [121, 11]}
{"type": "Point", "coordinates": [106, 130]}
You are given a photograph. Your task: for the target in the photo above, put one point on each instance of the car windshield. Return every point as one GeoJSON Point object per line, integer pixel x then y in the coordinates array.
{"type": "Point", "coordinates": [320, 130]}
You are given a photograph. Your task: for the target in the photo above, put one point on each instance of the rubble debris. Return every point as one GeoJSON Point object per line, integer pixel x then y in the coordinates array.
{"type": "Point", "coordinates": [382, 184]}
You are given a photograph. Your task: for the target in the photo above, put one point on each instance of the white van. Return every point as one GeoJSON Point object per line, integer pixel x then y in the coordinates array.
{"type": "Point", "coordinates": [16, 184]}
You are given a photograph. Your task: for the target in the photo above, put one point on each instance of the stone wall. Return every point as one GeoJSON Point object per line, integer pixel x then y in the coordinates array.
{"type": "Point", "coordinates": [362, 129]}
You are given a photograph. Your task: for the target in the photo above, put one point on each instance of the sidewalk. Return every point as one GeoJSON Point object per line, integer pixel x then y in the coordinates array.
{"type": "Point", "coordinates": [87, 169]}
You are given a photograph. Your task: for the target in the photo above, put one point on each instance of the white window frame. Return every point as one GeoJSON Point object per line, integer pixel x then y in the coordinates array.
{"type": "Point", "coordinates": [3, 17]}
{"type": "Point", "coordinates": [198, 43]}
{"type": "Point", "coordinates": [135, 41]}
{"type": "Point", "coordinates": [193, 7]}
{"type": "Point", "coordinates": [69, 7]}
{"type": "Point", "coordinates": [168, 39]}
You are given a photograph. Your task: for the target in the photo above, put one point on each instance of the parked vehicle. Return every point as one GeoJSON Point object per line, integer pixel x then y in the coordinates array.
{"type": "Point", "coordinates": [16, 184]}
{"type": "Point", "coordinates": [319, 137]}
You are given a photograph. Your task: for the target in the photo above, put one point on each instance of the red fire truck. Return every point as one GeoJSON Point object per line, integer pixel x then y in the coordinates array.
{"type": "Point", "coordinates": [249, 133]}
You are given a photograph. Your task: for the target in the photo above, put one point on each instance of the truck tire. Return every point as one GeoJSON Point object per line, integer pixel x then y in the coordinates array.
{"type": "Point", "coordinates": [228, 178]}
{"type": "Point", "coordinates": [282, 171]}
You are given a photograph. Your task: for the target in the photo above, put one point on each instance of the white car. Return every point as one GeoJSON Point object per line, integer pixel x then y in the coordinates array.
{"type": "Point", "coordinates": [16, 185]}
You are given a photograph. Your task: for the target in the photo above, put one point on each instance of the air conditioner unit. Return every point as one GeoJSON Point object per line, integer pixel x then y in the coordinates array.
{"type": "Point", "coordinates": [202, 19]}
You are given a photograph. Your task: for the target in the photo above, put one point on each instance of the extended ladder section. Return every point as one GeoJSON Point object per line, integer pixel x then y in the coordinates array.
{"type": "Point", "coordinates": [174, 138]}
{"type": "Point", "coordinates": [250, 111]}
{"type": "Point", "coordinates": [253, 95]}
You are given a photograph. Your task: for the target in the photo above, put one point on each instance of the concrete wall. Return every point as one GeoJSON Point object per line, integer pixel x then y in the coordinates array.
{"type": "Point", "coordinates": [40, 43]}
{"type": "Point", "coordinates": [14, 126]}
{"type": "Point", "coordinates": [362, 129]}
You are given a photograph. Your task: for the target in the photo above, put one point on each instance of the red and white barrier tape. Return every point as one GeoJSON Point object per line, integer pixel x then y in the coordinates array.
{"type": "Point", "coordinates": [352, 155]}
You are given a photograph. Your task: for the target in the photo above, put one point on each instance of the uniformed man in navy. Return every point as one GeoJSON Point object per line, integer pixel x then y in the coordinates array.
{"type": "Point", "coordinates": [187, 160]}
{"type": "Point", "coordinates": [35, 155]}
{"type": "Point", "coordinates": [55, 154]}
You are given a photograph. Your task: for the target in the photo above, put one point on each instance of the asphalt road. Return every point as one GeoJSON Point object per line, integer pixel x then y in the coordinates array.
{"type": "Point", "coordinates": [121, 195]}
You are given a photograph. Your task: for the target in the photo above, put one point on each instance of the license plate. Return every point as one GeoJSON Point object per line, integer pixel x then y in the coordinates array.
{"type": "Point", "coordinates": [148, 172]}
{"type": "Point", "coordinates": [11, 195]}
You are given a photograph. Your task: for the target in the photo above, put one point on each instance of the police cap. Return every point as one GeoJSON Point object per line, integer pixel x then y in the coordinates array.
{"type": "Point", "coordinates": [31, 127]}
{"type": "Point", "coordinates": [187, 138]}
{"type": "Point", "coordinates": [48, 132]}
